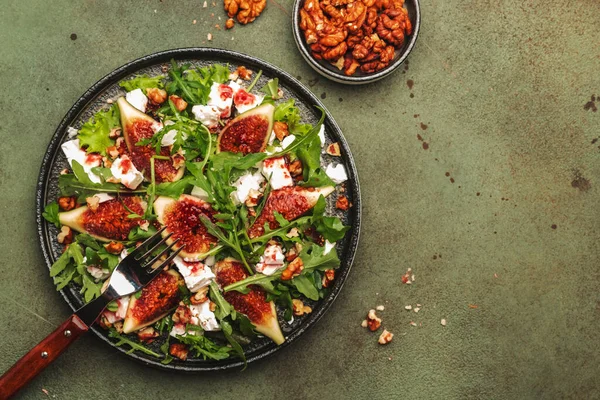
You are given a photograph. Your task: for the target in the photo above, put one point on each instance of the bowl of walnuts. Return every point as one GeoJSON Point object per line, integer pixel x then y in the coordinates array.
{"type": "Point", "coordinates": [355, 41]}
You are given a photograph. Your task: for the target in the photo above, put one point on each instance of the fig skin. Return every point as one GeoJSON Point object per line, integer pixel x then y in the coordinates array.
{"type": "Point", "coordinates": [109, 222]}
{"type": "Point", "coordinates": [253, 304]}
{"type": "Point", "coordinates": [186, 226]}
{"type": "Point", "coordinates": [248, 132]}
{"type": "Point", "coordinates": [136, 126]}
{"type": "Point", "coordinates": [290, 202]}
{"type": "Point", "coordinates": [158, 298]}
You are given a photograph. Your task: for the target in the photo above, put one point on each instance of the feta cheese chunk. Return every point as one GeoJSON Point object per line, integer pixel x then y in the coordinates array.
{"type": "Point", "coordinates": [138, 99]}
{"type": "Point", "coordinates": [196, 274]}
{"type": "Point", "coordinates": [221, 97]}
{"type": "Point", "coordinates": [88, 161]}
{"type": "Point", "coordinates": [271, 260]}
{"type": "Point", "coordinates": [245, 185]}
{"type": "Point", "coordinates": [336, 173]}
{"type": "Point", "coordinates": [97, 272]}
{"type": "Point", "coordinates": [102, 197]}
{"type": "Point", "coordinates": [245, 101]}
{"type": "Point", "coordinates": [168, 138]}
{"type": "Point", "coordinates": [287, 141]}
{"type": "Point", "coordinates": [71, 132]}
{"type": "Point", "coordinates": [124, 171]}
{"type": "Point", "coordinates": [322, 135]}
{"type": "Point", "coordinates": [276, 170]}
{"type": "Point", "coordinates": [207, 115]}
{"type": "Point", "coordinates": [201, 315]}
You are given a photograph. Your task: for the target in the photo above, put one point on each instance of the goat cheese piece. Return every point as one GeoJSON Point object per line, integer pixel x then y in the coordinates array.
{"type": "Point", "coordinates": [276, 170]}
{"type": "Point", "coordinates": [138, 99]}
{"type": "Point", "coordinates": [207, 115]}
{"type": "Point", "coordinates": [271, 260]}
{"type": "Point", "coordinates": [287, 141]}
{"type": "Point", "coordinates": [196, 274]}
{"type": "Point", "coordinates": [337, 173]}
{"type": "Point", "coordinates": [71, 132]}
{"type": "Point", "coordinates": [124, 170]}
{"type": "Point", "coordinates": [244, 185]}
{"type": "Point", "coordinates": [102, 197]}
{"type": "Point", "coordinates": [245, 101]}
{"type": "Point", "coordinates": [201, 315]}
{"type": "Point", "coordinates": [88, 161]}
{"type": "Point", "coordinates": [97, 272]}
{"type": "Point", "coordinates": [221, 97]}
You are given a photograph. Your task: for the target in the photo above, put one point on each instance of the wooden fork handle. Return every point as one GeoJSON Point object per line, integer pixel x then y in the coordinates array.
{"type": "Point", "coordinates": [41, 356]}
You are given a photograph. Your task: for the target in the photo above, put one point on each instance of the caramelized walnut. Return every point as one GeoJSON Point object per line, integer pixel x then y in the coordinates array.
{"type": "Point", "coordinates": [67, 203]}
{"type": "Point", "coordinates": [156, 95]}
{"type": "Point", "coordinates": [178, 350]}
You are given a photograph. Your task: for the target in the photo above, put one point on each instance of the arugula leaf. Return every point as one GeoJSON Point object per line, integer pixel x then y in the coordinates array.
{"type": "Point", "coordinates": [121, 340]}
{"type": "Point", "coordinates": [50, 214]}
{"type": "Point", "coordinates": [223, 307]}
{"type": "Point", "coordinates": [95, 132]}
{"type": "Point", "coordinates": [289, 113]}
{"type": "Point", "coordinates": [305, 286]}
{"type": "Point", "coordinates": [205, 347]}
{"type": "Point", "coordinates": [230, 241]}
{"type": "Point", "coordinates": [143, 82]}
{"type": "Point", "coordinates": [194, 84]}
{"type": "Point", "coordinates": [331, 228]}
{"type": "Point", "coordinates": [302, 140]}
{"type": "Point", "coordinates": [227, 332]}
{"type": "Point", "coordinates": [310, 156]}
{"type": "Point", "coordinates": [87, 241]}
{"type": "Point", "coordinates": [271, 89]}
{"type": "Point", "coordinates": [175, 189]}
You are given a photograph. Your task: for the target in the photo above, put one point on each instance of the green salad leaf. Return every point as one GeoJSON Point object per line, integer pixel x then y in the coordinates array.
{"type": "Point", "coordinates": [50, 214]}
{"type": "Point", "coordinates": [143, 82]}
{"type": "Point", "coordinates": [94, 134]}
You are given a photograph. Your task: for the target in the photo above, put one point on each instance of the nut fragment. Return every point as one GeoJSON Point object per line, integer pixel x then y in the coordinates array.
{"type": "Point", "coordinates": [281, 130]}
{"type": "Point", "coordinates": [444, 322]}
{"type": "Point", "coordinates": [364, 324]}
{"type": "Point", "coordinates": [334, 149]}
{"type": "Point", "coordinates": [178, 350]}
{"type": "Point", "coordinates": [147, 334]}
{"type": "Point", "coordinates": [244, 73]}
{"type": "Point", "coordinates": [380, 307]}
{"type": "Point", "coordinates": [156, 95]}
{"type": "Point", "coordinates": [114, 247]}
{"type": "Point", "coordinates": [180, 104]}
{"type": "Point", "coordinates": [295, 168]}
{"type": "Point", "coordinates": [64, 171]}
{"type": "Point", "coordinates": [115, 133]}
{"type": "Point", "coordinates": [300, 308]}
{"type": "Point", "coordinates": [293, 269]}
{"type": "Point", "coordinates": [342, 203]}
{"type": "Point", "coordinates": [373, 321]}
{"type": "Point", "coordinates": [200, 296]}
{"type": "Point", "coordinates": [385, 337]}
{"type": "Point", "coordinates": [65, 236]}
{"type": "Point", "coordinates": [93, 203]}
{"type": "Point", "coordinates": [229, 23]}
{"type": "Point", "coordinates": [66, 203]}
{"type": "Point", "coordinates": [328, 277]}
{"type": "Point", "coordinates": [113, 152]}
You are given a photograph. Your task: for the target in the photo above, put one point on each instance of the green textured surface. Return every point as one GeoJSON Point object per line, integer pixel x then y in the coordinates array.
{"type": "Point", "coordinates": [501, 86]}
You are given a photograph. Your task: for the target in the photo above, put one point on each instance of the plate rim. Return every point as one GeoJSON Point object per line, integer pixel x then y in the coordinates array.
{"type": "Point", "coordinates": [196, 53]}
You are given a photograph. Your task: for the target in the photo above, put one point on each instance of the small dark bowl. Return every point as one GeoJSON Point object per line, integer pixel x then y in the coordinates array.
{"type": "Point", "coordinates": [359, 78]}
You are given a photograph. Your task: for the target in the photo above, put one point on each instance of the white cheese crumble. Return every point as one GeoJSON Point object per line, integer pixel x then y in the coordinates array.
{"type": "Point", "coordinates": [276, 170]}
{"type": "Point", "coordinates": [88, 161]}
{"type": "Point", "coordinates": [287, 141]}
{"type": "Point", "coordinates": [71, 132]}
{"type": "Point", "coordinates": [119, 315]}
{"type": "Point", "coordinates": [102, 197]}
{"type": "Point", "coordinates": [201, 316]}
{"type": "Point", "coordinates": [97, 272]}
{"type": "Point", "coordinates": [207, 115]}
{"type": "Point", "coordinates": [138, 99]}
{"type": "Point", "coordinates": [247, 105]}
{"type": "Point", "coordinates": [271, 260]}
{"type": "Point", "coordinates": [124, 170]}
{"type": "Point", "coordinates": [328, 247]}
{"type": "Point", "coordinates": [337, 173]}
{"type": "Point", "coordinates": [223, 104]}
{"type": "Point", "coordinates": [272, 138]}
{"type": "Point", "coordinates": [196, 274]}
{"type": "Point", "coordinates": [244, 185]}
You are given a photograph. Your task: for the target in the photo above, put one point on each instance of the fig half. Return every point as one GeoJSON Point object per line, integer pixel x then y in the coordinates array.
{"type": "Point", "coordinates": [138, 126]}
{"type": "Point", "coordinates": [253, 304]}
{"type": "Point", "coordinates": [182, 219]}
{"type": "Point", "coordinates": [290, 202]}
{"type": "Point", "coordinates": [110, 220]}
{"type": "Point", "coordinates": [159, 297]}
{"type": "Point", "coordinates": [248, 132]}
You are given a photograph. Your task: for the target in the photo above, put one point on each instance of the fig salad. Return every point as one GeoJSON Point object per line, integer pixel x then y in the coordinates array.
{"type": "Point", "coordinates": [229, 170]}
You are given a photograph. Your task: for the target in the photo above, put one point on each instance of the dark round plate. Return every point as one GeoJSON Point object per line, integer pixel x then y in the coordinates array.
{"type": "Point", "coordinates": [107, 88]}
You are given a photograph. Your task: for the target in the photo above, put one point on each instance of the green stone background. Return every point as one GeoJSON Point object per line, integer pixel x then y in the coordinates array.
{"type": "Point", "coordinates": [501, 86]}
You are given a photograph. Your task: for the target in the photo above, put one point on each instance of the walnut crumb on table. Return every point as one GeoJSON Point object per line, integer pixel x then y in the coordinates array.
{"type": "Point", "coordinates": [373, 321]}
{"type": "Point", "coordinates": [385, 337]}
{"type": "Point", "coordinates": [380, 308]}
{"type": "Point", "coordinates": [444, 322]}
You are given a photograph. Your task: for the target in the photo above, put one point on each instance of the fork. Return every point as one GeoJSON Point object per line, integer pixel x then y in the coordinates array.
{"type": "Point", "coordinates": [130, 275]}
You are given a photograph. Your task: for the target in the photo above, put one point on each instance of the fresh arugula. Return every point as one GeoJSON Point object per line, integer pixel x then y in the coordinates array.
{"type": "Point", "coordinates": [50, 214]}
{"type": "Point", "coordinates": [134, 346]}
{"type": "Point", "coordinates": [143, 82]}
{"type": "Point", "coordinates": [331, 228]}
{"type": "Point", "coordinates": [203, 346]}
{"type": "Point", "coordinates": [94, 134]}
{"type": "Point", "coordinates": [271, 89]}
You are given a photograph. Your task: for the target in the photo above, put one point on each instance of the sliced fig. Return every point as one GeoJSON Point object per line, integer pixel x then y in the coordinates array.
{"type": "Point", "coordinates": [138, 126]}
{"type": "Point", "coordinates": [182, 219]}
{"type": "Point", "coordinates": [253, 304]}
{"type": "Point", "coordinates": [248, 132]}
{"type": "Point", "coordinates": [156, 300]}
{"type": "Point", "coordinates": [109, 221]}
{"type": "Point", "coordinates": [290, 202]}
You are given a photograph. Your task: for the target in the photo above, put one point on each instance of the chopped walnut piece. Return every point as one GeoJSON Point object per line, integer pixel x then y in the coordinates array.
{"type": "Point", "coordinates": [156, 95]}
{"type": "Point", "coordinates": [291, 255]}
{"type": "Point", "coordinates": [178, 350]}
{"type": "Point", "coordinates": [212, 306]}
{"type": "Point", "coordinates": [65, 236]}
{"type": "Point", "coordinates": [281, 130]}
{"type": "Point", "coordinates": [200, 296]}
{"type": "Point", "coordinates": [182, 314]}
{"type": "Point", "coordinates": [180, 104]}
{"type": "Point", "coordinates": [295, 168]}
{"type": "Point", "coordinates": [114, 247]}
{"type": "Point", "coordinates": [147, 334]}
{"type": "Point", "coordinates": [364, 324]}
{"type": "Point", "coordinates": [300, 308]}
{"type": "Point", "coordinates": [380, 307]}
{"type": "Point", "coordinates": [178, 159]}
{"type": "Point", "coordinates": [293, 233]}
{"type": "Point", "coordinates": [93, 203]}
{"type": "Point", "coordinates": [373, 321]}
{"type": "Point", "coordinates": [253, 198]}
{"type": "Point", "coordinates": [112, 151]}
{"type": "Point", "coordinates": [244, 73]}
{"type": "Point", "coordinates": [64, 171]}
{"type": "Point", "coordinates": [293, 269]}
{"type": "Point", "coordinates": [342, 203]}
{"type": "Point", "coordinates": [229, 23]}
{"type": "Point", "coordinates": [328, 277]}
{"type": "Point", "coordinates": [385, 337]}
{"type": "Point", "coordinates": [334, 149]}
{"type": "Point", "coordinates": [114, 133]}
{"type": "Point", "coordinates": [66, 203]}
{"type": "Point", "coordinates": [444, 322]}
